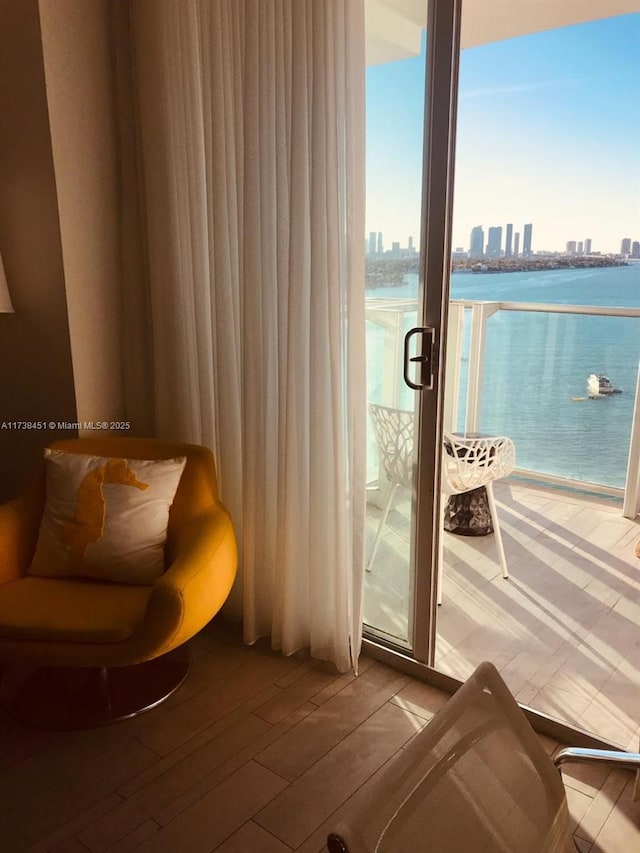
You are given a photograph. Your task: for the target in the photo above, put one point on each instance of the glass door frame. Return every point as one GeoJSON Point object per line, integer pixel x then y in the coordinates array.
{"type": "Point", "coordinates": [440, 113]}
{"type": "Point", "coordinates": [441, 100]}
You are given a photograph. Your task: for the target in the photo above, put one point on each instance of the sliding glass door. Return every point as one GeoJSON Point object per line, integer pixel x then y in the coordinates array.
{"type": "Point", "coordinates": [411, 111]}
{"type": "Point", "coordinates": [395, 122]}
{"type": "Point", "coordinates": [524, 339]}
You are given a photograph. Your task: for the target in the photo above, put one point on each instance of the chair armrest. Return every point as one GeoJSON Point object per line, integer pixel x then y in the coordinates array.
{"type": "Point", "coordinates": [609, 757]}
{"type": "Point", "coordinates": [198, 581]}
{"type": "Point", "coordinates": [18, 532]}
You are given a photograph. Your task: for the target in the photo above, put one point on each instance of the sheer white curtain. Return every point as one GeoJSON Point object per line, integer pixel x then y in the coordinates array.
{"type": "Point", "coordinates": [250, 123]}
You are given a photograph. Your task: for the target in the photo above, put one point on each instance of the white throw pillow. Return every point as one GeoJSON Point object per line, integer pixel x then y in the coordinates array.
{"type": "Point", "coordinates": [105, 518]}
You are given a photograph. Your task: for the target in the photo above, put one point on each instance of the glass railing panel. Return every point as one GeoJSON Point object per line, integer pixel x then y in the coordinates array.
{"type": "Point", "coordinates": [387, 322]}
{"type": "Point", "coordinates": [535, 389]}
{"type": "Point", "coordinates": [387, 590]}
{"type": "Point", "coordinates": [463, 367]}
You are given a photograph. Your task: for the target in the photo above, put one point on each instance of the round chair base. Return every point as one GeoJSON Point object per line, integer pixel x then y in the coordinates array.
{"type": "Point", "coordinates": [73, 698]}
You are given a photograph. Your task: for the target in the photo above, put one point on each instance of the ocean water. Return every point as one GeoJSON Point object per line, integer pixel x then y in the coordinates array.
{"type": "Point", "coordinates": [536, 363]}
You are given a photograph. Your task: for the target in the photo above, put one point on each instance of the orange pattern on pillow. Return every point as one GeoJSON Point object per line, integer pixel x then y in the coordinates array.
{"type": "Point", "coordinates": [88, 524]}
{"type": "Point", "coordinates": [105, 517]}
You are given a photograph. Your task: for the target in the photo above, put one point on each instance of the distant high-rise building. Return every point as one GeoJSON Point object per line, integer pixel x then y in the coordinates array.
{"type": "Point", "coordinates": [516, 244]}
{"type": "Point", "coordinates": [571, 247]}
{"type": "Point", "coordinates": [380, 247]}
{"type": "Point", "coordinates": [494, 241]}
{"type": "Point", "coordinates": [635, 249]}
{"type": "Point", "coordinates": [508, 241]}
{"type": "Point", "coordinates": [625, 246]}
{"type": "Point", "coordinates": [527, 239]}
{"type": "Point", "coordinates": [395, 249]}
{"type": "Point", "coordinates": [476, 242]}
{"type": "Point", "coordinates": [372, 243]}
{"type": "Point", "coordinates": [580, 248]}
{"type": "Point", "coordinates": [587, 246]}
{"type": "Point", "coordinates": [411, 249]}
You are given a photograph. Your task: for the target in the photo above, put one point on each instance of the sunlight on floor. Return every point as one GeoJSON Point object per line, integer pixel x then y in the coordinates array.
{"type": "Point", "coordinates": [563, 630]}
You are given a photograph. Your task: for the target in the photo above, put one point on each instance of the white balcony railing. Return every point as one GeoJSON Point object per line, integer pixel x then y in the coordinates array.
{"type": "Point", "coordinates": [535, 353]}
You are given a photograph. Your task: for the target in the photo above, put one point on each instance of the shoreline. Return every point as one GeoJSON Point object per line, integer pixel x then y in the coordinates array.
{"type": "Point", "coordinates": [391, 272]}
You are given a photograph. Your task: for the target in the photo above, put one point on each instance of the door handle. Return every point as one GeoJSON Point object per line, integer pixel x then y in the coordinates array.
{"type": "Point", "coordinates": [424, 359]}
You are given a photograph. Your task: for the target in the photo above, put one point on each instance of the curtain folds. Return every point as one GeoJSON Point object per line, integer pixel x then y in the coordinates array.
{"type": "Point", "coordinates": [250, 140]}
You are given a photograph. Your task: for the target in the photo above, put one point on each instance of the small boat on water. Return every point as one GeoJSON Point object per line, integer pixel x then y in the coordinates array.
{"type": "Point", "coordinates": [600, 385]}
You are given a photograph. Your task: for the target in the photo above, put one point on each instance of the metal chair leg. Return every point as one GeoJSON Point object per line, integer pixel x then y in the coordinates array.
{"type": "Point", "coordinates": [496, 529]}
{"type": "Point", "coordinates": [441, 551]}
{"type": "Point", "coordinates": [383, 521]}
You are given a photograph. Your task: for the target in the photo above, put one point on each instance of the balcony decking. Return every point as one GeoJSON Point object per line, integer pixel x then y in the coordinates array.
{"type": "Point", "coordinates": [564, 630]}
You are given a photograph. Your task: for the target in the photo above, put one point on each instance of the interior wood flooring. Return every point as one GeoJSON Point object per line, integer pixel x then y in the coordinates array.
{"type": "Point", "coordinates": [255, 753]}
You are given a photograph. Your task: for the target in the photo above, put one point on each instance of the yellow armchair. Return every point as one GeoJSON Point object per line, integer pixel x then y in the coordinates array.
{"type": "Point", "coordinates": [120, 643]}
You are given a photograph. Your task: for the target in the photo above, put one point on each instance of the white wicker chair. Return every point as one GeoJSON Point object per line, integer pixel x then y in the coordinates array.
{"type": "Point", "coordinates": [467, 463]}
{"type": "Point", "coordinates": [471, 462]}
{"type": "Point", "coordinates": [393, 430]}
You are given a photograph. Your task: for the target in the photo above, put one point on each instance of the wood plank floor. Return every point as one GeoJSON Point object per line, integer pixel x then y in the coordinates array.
{"type": "Point", "coordinates": [255, 753]}
{"type": "Point", "coordinates": [564, 630]}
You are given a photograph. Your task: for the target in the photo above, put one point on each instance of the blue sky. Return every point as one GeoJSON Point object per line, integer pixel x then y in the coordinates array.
{"type": "Point", "coordinates": [548, 133]}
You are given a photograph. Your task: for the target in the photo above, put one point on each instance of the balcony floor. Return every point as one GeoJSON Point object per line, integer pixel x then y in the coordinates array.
{"type": "Point", "coordinates": [564, 630]}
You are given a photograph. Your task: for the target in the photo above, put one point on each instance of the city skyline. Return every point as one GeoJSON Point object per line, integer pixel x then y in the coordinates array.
{"type": "Point", "coordinates": [375, 243]}
{"type": "Point", "coordinates": [375, 247]}
{"type": "Point", "coordinates": [546, 133]}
